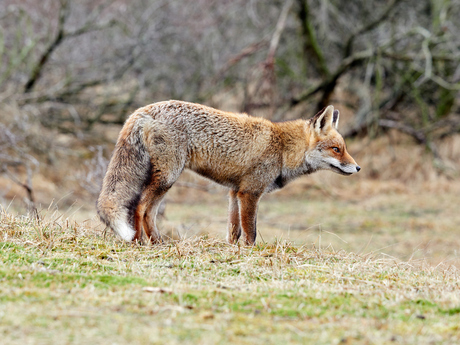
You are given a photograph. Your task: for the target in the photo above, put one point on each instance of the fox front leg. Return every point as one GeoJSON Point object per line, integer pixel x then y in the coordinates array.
{"type": "Point", "coordinates": [234, 224]}
{"type": "Point", "coordinates": [248, 215]}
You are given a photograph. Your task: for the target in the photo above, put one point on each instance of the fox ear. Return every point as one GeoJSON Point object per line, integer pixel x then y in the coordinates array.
{"type": "Point", "coordinates": [335, 119]}
{"type": "Point", "coordinates": [324, 120]}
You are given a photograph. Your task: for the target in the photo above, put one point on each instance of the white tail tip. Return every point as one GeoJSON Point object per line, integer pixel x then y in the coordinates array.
{"type": "Point", "coordinates": [124, 230]}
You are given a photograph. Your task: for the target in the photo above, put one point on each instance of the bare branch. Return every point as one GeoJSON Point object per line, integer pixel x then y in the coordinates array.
{"type": "Point", "coordinates": [417, 134]}
{"type": "Point", "coordinates": [60, 37]}
{"type": "Point", "coordinates": [266, 83]}
{"type": "Point", "coordinates": [37, 69]}
{"type": "Point", "coordinates": [372, 25]}
{"type": "Point", "coordinates": [309, 38]}
{"type": "Point", "coordinates": [245, 52]}
{"type": "Point", "coordinates": [329, 84]}
{"type": "Point", "coordinates": [278, 31]}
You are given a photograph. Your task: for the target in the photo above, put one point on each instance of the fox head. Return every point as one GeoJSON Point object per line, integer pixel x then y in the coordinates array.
{"type": "Point", "coordinates": [328, 150]}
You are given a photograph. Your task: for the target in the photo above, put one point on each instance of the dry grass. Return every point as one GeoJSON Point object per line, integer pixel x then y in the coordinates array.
{"type": "Point", "coordinates": [66, 283]}
{"type": "Point", "coordinates": [351, 214]}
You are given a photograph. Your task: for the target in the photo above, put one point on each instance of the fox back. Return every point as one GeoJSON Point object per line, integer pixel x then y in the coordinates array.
{"type": "Point", "coordinates": [249, 155]}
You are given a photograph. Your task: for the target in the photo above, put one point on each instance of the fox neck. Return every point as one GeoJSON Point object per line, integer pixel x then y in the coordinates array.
{"type": "Point", "coordinates": [297, 140]}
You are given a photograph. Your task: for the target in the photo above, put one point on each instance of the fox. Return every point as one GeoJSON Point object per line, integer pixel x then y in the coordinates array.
{"type": "Point", "coordinates": [251, 156]}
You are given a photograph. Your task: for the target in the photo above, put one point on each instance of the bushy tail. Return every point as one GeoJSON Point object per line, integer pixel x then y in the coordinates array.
{"type": "Point", "coordinates": [128, 173]}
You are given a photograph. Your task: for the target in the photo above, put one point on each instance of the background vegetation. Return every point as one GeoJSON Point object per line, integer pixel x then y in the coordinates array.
{"type": "Point", "coordinates": [77, 68]}
{"type": "Point", "coordinates": [378, 249]}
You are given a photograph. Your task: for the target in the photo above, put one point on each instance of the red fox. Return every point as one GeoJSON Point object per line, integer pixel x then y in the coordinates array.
{"type": "Point", "coordinates": [249, 155]}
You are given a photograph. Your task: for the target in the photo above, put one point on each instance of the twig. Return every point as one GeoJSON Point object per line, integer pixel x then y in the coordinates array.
{"type": "Point", "coordinates": [27, 186]}
{"type": "Point", "coordinates": [37, 70]}
{"type": "Point", "coordinates": [60, 37]}
{"type": "Point", "coordinates": [417, 134]}
{"type": "Point", "coordinates": [280, 25]}
{"type": "Point", "coordinates": [372, 25]}
{"type": "Point", "coordinates": [329, 83]}
{"type": "Point", "coordinates": [310, 39]}
{"type": "Point", "coordinates": [245, 52]}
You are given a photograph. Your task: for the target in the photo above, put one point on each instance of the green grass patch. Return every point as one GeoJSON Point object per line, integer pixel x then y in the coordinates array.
{"type": "Point", "coordinates": [76, 287]}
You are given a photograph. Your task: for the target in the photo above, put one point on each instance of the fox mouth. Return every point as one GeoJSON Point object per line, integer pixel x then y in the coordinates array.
{"type": "Point", "coordinates": [340, 171]}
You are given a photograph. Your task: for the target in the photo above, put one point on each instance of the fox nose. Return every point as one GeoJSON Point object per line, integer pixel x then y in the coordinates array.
{"type": "Point", "coordinates": [358, 168]}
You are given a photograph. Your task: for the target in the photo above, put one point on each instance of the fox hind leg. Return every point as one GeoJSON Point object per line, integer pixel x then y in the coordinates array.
{"type": "Point", "coordinates": [150, 198]}
{"type": "Point", "coordinates": [234, 224]}
{"type": "Point", "coordinates": [154, 197]}
{"type": "Point", "coordinates": [138, 222]}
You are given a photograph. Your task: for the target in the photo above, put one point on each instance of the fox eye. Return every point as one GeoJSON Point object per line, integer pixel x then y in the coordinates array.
{"type": "Point", "coordinates": [336, 149]}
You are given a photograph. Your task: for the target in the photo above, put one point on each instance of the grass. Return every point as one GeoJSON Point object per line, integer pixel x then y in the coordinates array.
{"type": "Point", "coordinates": [66, 284]}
